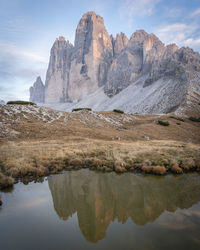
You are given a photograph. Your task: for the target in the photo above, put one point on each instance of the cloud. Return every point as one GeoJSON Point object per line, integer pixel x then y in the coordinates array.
{"type": "Point", "coordinates": [179, 33]}
{"type": "Point", "coordinates": [132, 8]}
{"type": "Point", "coordinates": [18, 70]}
{"type": "Point", "coordinates": [195, 13]}
{"type": "Point", "coordinates": [11, 49]}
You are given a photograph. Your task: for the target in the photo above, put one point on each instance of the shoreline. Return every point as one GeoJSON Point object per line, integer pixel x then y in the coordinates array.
{"type": "Point", "coordinates": [36, 167]}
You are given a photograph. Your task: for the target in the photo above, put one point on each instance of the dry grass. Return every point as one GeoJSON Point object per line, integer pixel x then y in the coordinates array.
{"type": "Point", "coordinates": [84, 139]}
{"type": "Point", "coordinates": [39, 158]}
{"type": "Point", "coordinates": [5, 181]}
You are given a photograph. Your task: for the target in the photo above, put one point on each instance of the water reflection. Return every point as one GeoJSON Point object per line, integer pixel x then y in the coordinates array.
{"type": "Point", "coordinates": [99, 199]}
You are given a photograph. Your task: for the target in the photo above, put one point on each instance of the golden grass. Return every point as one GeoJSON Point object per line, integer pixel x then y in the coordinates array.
{"type": "Point", "coordinates": [39, 158]}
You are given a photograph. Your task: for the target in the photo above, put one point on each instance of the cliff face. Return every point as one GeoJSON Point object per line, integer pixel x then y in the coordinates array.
{"type": "Point", "coordinates": [37, 91]}
{"type": "Point", "coordinates": [91, 58]}
{"type": "Point", "coordinates": [160, 78]}
{"type": "Point", "coordinates": [57, 78]}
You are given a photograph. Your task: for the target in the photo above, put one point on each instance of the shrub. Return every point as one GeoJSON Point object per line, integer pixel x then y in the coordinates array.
{"type": "Point", "coordinates": [21, 103]}
{"type": "Point", "coordinates": [119, 169]}
{"type": "Point", "coordinates": [118, 111]}
{"type": "Point", "coordinates": [78, 109]}
{"type": "Point", "coordinates": [5, 181]}
{"type": "Point", "coordinates": [175, 167]}
{"type": "Point", "coordinates": [188, 164]}
{"type": "Point", "coordinates": [194, 119]}
{"type": "Point", "coordinates": [163, 123]}
{"type": "Point", "coordinates": [176, 118]}
{"type": "Point", "coordinates": [159, 170]}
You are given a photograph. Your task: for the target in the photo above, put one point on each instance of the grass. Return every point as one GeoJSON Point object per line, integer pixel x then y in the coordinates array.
{"type": "Point", "coordinates": [21, 102]}
{"type": "Point", "coordinates": [78, 109]}
{"type": "Point", "coordinates": [194, 119]}
{"type": "Point", "coordinates": [118, 111]}
{"type": "Point", "coordinates": [163, 123]}
{"type": "Point", "coordinates": [32, 160]}
{"type": "Point", "coordinates": [177, 118]}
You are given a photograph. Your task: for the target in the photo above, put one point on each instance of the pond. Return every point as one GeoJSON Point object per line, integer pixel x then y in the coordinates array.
{"type": "Point", "coordinates": [88, 210]}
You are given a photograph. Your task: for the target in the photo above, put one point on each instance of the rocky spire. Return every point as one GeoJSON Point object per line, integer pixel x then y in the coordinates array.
{"type": "Point", "coordinates": [57, 78]}
{"type": "Point", "coordinates": [120, 43]}
{"type": "Point", "coordinates": [91, 58]}
{"type": "Point", "coordinates": [37, 91]}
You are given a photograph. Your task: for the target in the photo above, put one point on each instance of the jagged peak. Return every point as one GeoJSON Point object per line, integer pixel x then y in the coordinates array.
{"type": "Point", "coordinates": [91, 14]}
{"type": "Point", "coordinates": [62, 42]}
{"type": "Point", "coordinates": [172, 47]}
{"type": "Point", "coordinates": [38, 82]}
{"type": "Point", "coordinates": [139, 35]}
{"type": "Point", "coordinates": [61, 38]}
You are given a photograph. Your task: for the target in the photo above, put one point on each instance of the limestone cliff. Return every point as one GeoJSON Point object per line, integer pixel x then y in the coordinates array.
{"type": "Point", "coordinates": [91, 58]}
{"type": "Point", "coordinates": [57, 78]}
{"type": "Point", "coordinates": [37, 91]}
{"type": "Point", "coordinates": [139, 74]}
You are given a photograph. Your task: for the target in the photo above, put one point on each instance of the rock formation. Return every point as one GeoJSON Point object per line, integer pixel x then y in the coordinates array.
{"type": "Point", "coordinates": [37, 91]}
{"type": "Point", "coordinates": [2, 102]}
{"type": "Point", "coordinates": [57, 78]}
{"type": "Point", "coordinates": [138, 75]}
{"type": "Point", "coordinates": [91, 58]}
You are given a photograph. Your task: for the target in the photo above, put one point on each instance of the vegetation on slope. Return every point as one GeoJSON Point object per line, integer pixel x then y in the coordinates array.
{"type": "Point", "coordinates": [21, 102]}
{"type": "Point", "coordinates": [78, 109]}
{"type": "Point", "coordinates": [163, 123]}
{"type": "Point", "coordinates": [194, 119]}
{"type": "Point", "coordinates": [118, 111]}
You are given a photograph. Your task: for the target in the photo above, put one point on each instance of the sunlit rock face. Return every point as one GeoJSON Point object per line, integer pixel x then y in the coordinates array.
{"type": "Point", "coordinates": [37, 91]}
{"type": "Point", "coordinates": [99, 199]}
{"type": "Point", "coordinates": [57, 78]}
{"type": "Point", "coordinates": [91, 58]}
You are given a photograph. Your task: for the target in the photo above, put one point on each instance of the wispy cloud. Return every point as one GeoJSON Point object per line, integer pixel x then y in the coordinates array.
{"type": "Point", "coordinates": [11, 49]}
{"type": "Point", "coordinates": [195, 13]}
{"type": "Point", "coordinates": [179, 33]}
{"type": "Point", "coordinates": [133, 8]}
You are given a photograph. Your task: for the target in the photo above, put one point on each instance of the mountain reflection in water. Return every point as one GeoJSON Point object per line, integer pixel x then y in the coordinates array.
{"type": "Point", "coordinates": [101, 198]}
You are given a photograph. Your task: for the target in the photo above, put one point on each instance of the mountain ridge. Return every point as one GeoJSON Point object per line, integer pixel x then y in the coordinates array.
{"type": "Point", "coordinates": [167, 78]}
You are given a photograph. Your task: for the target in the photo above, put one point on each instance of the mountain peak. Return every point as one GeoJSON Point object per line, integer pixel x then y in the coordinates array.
{"type": "Point", "coordinates": [37, 91]}
{"type": "Point", "coordinates": [155, 77]}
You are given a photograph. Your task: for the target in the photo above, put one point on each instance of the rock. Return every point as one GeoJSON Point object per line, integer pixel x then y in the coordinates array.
{"type": "Point", "coordinates": [37, 91]}
{"type": "Point", "coordinates": [91, 57]}
{"type": "Point", "coordinates": [2, 102]}
{"type": "Point", "coordinates": [119, 43]}
{"type": "Point", "coordinates": [57, 78]}
{"type": "Point", "coordinates": [140, 75]}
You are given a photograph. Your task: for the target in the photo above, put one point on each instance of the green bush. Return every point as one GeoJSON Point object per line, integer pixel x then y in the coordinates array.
{"type": "Point", "coordinates": [118, 111]}
{"type": "Point", "coordinates": [177, 118]}
{"type": "Point", "coordinates": [78, 109]}
{"type": "Point", "coordinates": [194, 119]}
{"type": "Point", "coordinates": [163, 123]}
{"type": "Point", "coordinates": [21, 103]}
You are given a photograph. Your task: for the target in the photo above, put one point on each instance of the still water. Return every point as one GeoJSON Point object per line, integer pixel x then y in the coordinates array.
{"type": "Point", "coordinates": [87, 210]}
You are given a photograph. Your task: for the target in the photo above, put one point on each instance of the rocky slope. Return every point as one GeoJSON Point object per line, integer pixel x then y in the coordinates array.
{"type": "Point", "coordinates": [139, 74]}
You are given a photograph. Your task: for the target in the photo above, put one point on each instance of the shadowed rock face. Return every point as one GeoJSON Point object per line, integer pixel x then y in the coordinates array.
{"type": "Point", "coordinates": [37, 91]}
{"type": "Point", "coordinates": [99, 199]}
{"type": "Point", "coordinates": [57, 78]}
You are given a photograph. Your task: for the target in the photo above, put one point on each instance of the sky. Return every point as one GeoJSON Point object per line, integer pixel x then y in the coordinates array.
{"type": "Point", "coordinates": [28, 29]}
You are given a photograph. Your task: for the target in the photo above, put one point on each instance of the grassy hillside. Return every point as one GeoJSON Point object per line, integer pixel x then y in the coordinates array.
{"type": "Point", "coordinates": [36, 141]}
